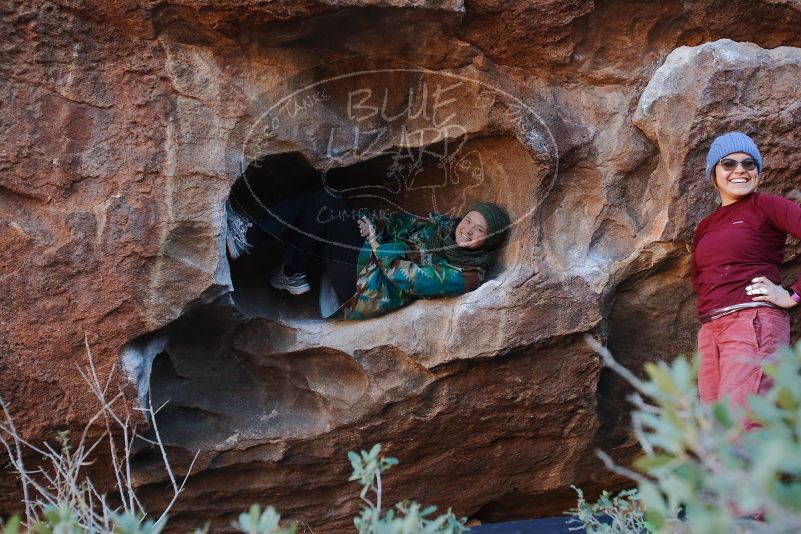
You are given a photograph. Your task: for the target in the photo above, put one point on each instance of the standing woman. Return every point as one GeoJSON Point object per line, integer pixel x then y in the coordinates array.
{"type": "Point", "coordinates": [737, 251]}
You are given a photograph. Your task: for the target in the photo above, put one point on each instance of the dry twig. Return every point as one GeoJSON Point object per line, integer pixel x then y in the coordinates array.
{"type": "Point", "coordinates": [58, 481]}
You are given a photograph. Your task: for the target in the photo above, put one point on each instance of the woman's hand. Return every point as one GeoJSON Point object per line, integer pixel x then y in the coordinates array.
{"type": "Point", "coordinates": [367, 231]}
{"type": "Point", "coordinates": [765, 290]}
{"type": "Point", "coordinates": [366, 228]}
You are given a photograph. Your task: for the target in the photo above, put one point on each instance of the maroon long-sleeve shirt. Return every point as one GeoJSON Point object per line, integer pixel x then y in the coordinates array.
{"type": "Point", "coordinates": [739, 242]}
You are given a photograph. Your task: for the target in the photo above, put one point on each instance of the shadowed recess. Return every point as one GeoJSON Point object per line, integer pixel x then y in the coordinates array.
{"type": "Point", "coordinates": [224, 385]}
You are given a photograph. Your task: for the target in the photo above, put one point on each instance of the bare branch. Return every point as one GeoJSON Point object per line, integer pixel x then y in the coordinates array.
{"type": "Point", "coordinates": [640, 435]}
{"type": "Point", "coordinates": [160, 443]}
{"type": "Point", "coordinates": [612, 466]}
{"type": "Point", "coordinates": [641, 405]}
{"type": "Point", "coordinates": [610, 362]}
{"type": "Point", "coordinates": [19, 464]}
{"type": "Point", "coordinates": [58, 482]}
{"type": "Point", "coordinates": [180, 489]}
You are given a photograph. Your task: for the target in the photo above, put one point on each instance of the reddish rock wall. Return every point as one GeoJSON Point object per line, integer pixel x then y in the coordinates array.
{"type": "Point", "coordinates": [125, 124]}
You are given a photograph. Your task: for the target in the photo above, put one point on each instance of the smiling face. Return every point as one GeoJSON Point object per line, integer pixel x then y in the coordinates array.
{"type": "Point", "coordinates": [737, 184]}
{"type": "Point", "coordinates": [471, 232]}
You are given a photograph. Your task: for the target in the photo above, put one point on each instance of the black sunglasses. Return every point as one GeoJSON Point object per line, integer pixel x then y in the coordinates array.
{"type": "Point", "coordinates": [729, 164]}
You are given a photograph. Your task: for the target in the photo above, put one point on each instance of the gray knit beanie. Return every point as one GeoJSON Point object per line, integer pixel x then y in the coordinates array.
{"type": "Point", "coordinates": [729, 143]}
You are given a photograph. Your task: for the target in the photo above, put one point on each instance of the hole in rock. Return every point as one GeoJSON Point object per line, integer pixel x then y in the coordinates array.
{"type": "Point", "coordinates": [444, 177]}
{"type": "Point", "coordinates": [224, 381]}
{"type": "Point", "coordinates": [234, 375]}
{"type": "Point", "coordinates": [651, 312]}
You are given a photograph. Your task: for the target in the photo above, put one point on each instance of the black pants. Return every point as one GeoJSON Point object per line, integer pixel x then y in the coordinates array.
{"type": "Point", "coordinates": [319, 230]}
{"type": "Point", "coordinates": [273, 227]}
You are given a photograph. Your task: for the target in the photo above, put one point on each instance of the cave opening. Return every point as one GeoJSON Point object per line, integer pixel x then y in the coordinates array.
{"type": "Point", "coordinates": [224, 351]}
{"type": "Point", "coordinates": [256, 350]}
{"type": "Point", "coordinates": [444, 177]}
{"type": "Point", "coordinates": [216, 380]}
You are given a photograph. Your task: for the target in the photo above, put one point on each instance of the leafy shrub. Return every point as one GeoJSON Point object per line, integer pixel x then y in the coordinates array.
{"type": "Point", "coordinates": [267, 522]}
{"type": "Point", "coordinates": [699, 457]}
{"type": "Point", "coordinates": [407, 517]}
{"type": "Point", "coordinates": [619, 514]}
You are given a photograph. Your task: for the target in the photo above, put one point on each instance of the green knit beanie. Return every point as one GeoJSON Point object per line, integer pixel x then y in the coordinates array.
{"type": "Point", "coordinates": [497, 221]}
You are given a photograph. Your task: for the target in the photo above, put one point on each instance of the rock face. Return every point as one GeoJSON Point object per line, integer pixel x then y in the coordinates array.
{"type": "Point", "coordinates": [125, 125]}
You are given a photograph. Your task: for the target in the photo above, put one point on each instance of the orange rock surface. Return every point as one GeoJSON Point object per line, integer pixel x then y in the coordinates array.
{"type": "Point", "coordinates": [124, 126]}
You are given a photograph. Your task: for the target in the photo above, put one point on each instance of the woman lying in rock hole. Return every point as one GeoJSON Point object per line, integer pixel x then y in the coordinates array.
{"type": "Point", "coordinates": [737, 251]}
{"type": "Point", "coordinates": [373, 262]}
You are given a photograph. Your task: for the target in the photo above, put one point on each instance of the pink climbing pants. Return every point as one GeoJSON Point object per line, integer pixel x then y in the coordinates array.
{"type": "Point", "coordinates": [732, 349]}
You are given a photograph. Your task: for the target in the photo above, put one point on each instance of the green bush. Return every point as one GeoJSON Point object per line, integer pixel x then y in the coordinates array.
{"type": "Point", "coordinates": [699, 458]}
{"type": "Point", "coordinates": [407, 517]}
{"type": "Point", "coordinates": [619, 514]}
{"type": "Point", "coordinates": [267, 522]}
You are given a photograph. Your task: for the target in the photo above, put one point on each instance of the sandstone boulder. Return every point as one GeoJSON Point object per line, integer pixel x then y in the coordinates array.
{"type": "Point", "coordinates": [125, 125]}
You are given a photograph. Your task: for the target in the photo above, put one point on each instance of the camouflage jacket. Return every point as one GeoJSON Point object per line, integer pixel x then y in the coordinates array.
{"type": "Point", "coordinates": [402, 270]}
